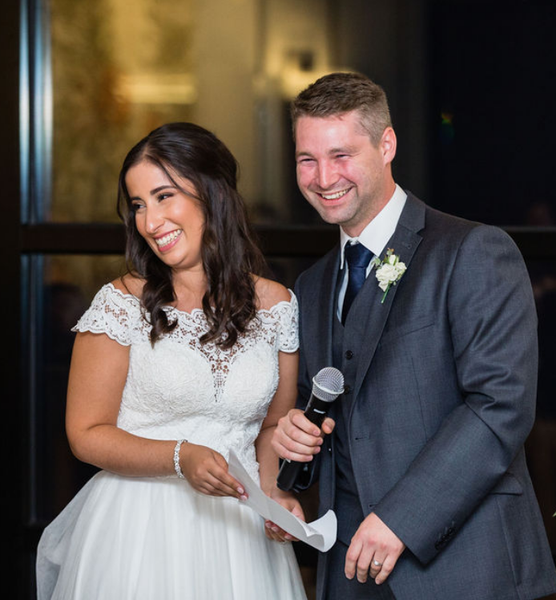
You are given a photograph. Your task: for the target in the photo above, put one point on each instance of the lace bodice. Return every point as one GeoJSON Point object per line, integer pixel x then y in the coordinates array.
{"type": "Point", "coordinates": [184, 389]}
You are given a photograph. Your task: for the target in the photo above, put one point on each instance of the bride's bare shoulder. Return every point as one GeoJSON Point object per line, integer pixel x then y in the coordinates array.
{"type": "Point", "coordinates": [129, 284]}
{"type": "Point", "coordinates": [269, 293]}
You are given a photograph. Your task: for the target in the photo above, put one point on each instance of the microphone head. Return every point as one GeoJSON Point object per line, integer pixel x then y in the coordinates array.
{"type": "Point", "coordinates": [328, 384]}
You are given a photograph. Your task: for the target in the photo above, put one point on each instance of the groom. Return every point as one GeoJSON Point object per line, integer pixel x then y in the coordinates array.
{"type": "Point", "coordinates": [425, 468]}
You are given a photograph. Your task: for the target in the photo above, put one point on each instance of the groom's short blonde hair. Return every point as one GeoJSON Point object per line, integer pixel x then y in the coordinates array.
{"type": "Point", "coordinates": [340, 93]}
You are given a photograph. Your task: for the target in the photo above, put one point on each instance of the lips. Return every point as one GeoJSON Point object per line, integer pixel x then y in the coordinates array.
{"type": "Point", "coordinates": [167, 239]}
{"type": "Point", "coordinates": [334, 195]}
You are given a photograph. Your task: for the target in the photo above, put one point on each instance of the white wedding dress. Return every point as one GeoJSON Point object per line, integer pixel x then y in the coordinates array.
{"type": "Point", "coordinates": [128, 538]}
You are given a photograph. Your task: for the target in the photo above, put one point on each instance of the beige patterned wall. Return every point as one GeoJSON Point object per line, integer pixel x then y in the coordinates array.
{"type": "Point", "coordinates": [119, 69]}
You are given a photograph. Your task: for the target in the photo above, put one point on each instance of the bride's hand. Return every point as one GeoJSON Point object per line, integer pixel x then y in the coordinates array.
{"type": "Point", "coordinates": [207, 472]}
{"type": "Point", "coordinates": [289, 502]}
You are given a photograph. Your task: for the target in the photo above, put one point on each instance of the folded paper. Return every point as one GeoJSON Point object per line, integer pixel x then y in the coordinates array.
{"type": "Point", "coordinates": [320, 534]}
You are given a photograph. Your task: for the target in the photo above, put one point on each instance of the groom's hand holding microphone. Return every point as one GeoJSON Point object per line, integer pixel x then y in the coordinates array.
{"type": "Point", "coordinates": [299, 434]}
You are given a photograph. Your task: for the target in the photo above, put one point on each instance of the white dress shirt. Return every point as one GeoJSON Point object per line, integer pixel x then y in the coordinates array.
{"type": "Point", "coordinates": [375, 236]}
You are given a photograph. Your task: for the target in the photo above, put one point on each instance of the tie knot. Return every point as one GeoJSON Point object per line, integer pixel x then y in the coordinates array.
{"type": "Point", "coordinates": [357, 256]}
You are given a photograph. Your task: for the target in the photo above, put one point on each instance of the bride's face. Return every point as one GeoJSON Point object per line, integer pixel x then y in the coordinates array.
{"type": "Point", "coordinates": [170, 219]}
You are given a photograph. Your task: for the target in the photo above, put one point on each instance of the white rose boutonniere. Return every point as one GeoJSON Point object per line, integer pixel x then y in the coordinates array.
{"type": "Point", "coordinates": [388, 271]}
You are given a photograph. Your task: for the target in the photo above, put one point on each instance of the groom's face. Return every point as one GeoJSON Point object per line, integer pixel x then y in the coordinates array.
{"type": "Point", "coordinates": [340, 172]}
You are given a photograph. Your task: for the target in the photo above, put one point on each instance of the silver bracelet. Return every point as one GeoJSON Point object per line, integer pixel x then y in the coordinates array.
{"type": "Point", "coordinates": [177, 467]}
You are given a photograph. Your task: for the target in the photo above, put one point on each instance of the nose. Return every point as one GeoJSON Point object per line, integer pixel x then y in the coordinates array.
{"type": "Point", "coordinates": [327, 175]}
{"type": "Point", "coordinates": [154, 218]}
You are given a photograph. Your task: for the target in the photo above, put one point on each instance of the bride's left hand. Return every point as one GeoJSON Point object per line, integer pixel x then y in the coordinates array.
{"type": "Point", "coordinates": [290, 503]}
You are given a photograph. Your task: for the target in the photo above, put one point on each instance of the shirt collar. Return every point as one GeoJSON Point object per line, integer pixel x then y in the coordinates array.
{"type": "Point", "coordinates": [376, 234]}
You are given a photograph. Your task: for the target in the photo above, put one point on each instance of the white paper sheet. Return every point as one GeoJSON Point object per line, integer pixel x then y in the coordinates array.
{"type": "Point", "coordinates": [320, 534]}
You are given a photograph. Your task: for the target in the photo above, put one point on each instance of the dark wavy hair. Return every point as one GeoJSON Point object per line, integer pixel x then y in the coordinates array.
{"type": "Point", "coordinates": [229, 251]}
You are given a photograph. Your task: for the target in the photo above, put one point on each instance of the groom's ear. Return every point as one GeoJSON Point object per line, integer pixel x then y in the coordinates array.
{"type": "Point", "coordinates": [388, 145]}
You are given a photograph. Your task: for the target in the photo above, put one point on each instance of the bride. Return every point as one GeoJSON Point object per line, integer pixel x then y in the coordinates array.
{"type": "Point", "coordinates": [189, 355]}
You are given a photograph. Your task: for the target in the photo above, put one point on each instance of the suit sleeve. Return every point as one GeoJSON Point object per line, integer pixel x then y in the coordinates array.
{"type": "Point", "coordinates": [493, 325]}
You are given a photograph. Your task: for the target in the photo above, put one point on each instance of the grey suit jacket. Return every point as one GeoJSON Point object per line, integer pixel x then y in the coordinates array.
{"type": "Point", "coordinates": [443, 397]}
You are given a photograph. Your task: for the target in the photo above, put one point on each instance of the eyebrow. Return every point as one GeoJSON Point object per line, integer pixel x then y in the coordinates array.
{"type": "Point", "coordinates": [162, 187]}
{"type": "Point", "coordinates": [156, 190]}
{"type": "Point", "coordinates": [342, 150]}
{"type": "Point", "coordinates": [339, 150]}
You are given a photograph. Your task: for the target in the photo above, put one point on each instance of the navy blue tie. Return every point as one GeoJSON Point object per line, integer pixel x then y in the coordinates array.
{"type": "Point", "coordinates": [358, 258]}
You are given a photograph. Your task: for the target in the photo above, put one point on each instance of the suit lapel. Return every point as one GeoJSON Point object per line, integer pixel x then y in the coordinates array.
{"type": "Point", "coordinates": [373, 313]}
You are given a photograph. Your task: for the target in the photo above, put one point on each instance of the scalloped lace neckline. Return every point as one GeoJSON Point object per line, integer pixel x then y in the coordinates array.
{"type": "Point", "coordinates": [196, 311]}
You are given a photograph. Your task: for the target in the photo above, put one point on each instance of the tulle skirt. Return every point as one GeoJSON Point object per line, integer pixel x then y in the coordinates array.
{"type": "Point", "coordinates": [157, 539]}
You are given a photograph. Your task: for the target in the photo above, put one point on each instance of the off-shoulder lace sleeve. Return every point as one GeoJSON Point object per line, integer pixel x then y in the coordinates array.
{"type": "Point", "coordinates": [288, 316]}
{"type": "Point", "coordinates": [114, 313]}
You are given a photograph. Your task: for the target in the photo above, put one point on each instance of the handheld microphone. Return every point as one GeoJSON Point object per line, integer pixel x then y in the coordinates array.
{"type": "Point", "coordinates": [328, 384]}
